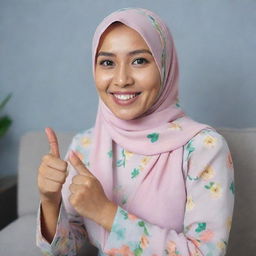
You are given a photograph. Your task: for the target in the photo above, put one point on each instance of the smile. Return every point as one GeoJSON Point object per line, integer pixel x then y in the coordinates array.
{"type": "Point", "coordinates": [125, 98]}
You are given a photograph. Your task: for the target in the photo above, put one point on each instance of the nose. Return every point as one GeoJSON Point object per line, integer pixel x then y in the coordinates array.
{"type": "Point", "coordinates": [122, 76]}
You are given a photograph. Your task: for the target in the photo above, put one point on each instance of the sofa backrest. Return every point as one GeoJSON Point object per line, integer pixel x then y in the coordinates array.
{"type": "Point", "coordinates": [242, 143]}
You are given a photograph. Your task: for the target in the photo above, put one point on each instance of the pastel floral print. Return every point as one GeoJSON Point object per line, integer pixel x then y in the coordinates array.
{"type": "Point", "coordinates": [110, 153]}
{"type": "Point", "coordinates": [209, 185]}
{"type": "Point", "coordinates": [190, 203]}
{"type": "Point", "coordinates": [128, 154]}
{"type": "Point", "coordinates": [215, 189]}
{"type": "Point", "coordinates": [229, 161]}
{"type": "Point", "coordinates": [175, 126]}
{"type": "Point", "coordinates": [86, 141]}
{"type": "Point", "coordinates": [136, 171]}
{"type": "Point", "coordinates": [210, 141]}
{"type": "Point", "coordinates": [153, 137]}
{"type": "Point", "coordinates": [122, 161]}
{"type": "Point", "coordinates": [171, 249]}
{"type": "Point", "coordinates": [208, 173]}
{"type": "Point", "coordinates": [189, 148]}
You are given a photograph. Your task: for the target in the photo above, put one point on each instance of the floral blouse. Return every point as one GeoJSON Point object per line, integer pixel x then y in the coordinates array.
{"type": "Point", "coordinates": [209, 186]}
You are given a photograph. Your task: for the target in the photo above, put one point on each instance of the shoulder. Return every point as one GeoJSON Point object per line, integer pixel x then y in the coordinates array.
{"type": "Point", "coordinates": [81, 142]}
{"type": "Point", "coordinates": [207, 145]}
{"type": "Point", "coordinates": [207, 138]}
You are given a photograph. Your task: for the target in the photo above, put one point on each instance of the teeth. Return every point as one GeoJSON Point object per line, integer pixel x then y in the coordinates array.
{"type": "Point", "coordinates": [124, 96]}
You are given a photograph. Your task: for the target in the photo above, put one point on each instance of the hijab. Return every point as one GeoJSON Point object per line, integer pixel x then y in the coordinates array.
{"type": "Point", "coordinates": [160, 133]}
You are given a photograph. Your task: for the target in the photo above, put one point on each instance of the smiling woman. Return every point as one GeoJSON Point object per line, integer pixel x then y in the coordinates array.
{"type": "Point", "coordinates": [138, 182]}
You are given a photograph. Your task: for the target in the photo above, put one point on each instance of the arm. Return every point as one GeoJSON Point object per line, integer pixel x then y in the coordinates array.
{"type": "Point", "coordinates": [208, 212]}
{"type": "Point", "coordinates": [60, 230]}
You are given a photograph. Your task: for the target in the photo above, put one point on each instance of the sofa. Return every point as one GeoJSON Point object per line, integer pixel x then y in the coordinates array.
{"type": "Point", "coordinates": [18, 238]}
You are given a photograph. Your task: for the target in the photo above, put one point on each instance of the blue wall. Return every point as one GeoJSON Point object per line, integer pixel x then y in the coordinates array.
{"type": "Point", "coordinates": [45, 62]}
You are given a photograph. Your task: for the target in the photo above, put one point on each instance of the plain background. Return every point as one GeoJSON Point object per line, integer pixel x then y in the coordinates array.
{"type": "Point", "coordinates": [45, 61]}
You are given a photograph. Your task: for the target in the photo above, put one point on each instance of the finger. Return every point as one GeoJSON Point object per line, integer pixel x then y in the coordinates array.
{"type": "Point", "coordinates": [73, 188]}
{"type": "Point", "coordinates": [56, 163]}
{"type": "Point", "coordinates": [54, 175]}
{"type": "Point", "coordinates": [53, 142]}
{"type": "Point", "coordinates": [78, 164]}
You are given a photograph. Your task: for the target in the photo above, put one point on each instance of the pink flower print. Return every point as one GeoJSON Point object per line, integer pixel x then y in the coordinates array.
{"type": "Point", "coordinates": [124, 251]}
{"type": "Point", "coordinates": [132, 217]}
{"type": "Point", "coordinates": [206, 236]}
{"type": "Point", "coordinates": [144, 242]}
{"type": "Point", "coordinates": [171, 249]}
{"type": "Point", "coordinates": [229, 161]}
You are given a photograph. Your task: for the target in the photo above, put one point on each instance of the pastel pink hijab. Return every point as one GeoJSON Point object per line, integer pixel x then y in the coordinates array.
{"type": "Point", "coordinates": [161, 132]}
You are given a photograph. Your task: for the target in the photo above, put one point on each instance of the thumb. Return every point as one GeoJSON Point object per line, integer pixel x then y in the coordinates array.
{"type": "Point", "coordinates": [78, 164]}
{"type": "Point", "coordinates": [53, 142]}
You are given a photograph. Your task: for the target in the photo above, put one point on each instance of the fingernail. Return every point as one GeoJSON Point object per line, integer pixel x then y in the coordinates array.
{"type": "Point", "coordinates": [72, 153]}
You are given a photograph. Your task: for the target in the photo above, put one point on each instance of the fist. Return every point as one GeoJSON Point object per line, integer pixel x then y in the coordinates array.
{"type": "Point", "coordinates": [87, 194]}
{"type": "Point", "coordinates": [52, 172]}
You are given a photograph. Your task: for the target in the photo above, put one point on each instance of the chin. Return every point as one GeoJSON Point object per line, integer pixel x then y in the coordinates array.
{"type": "Point", "coordinates": [125, 117]}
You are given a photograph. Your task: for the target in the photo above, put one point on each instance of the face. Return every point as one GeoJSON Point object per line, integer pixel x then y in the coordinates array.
{"type": "Point", "coordinates": [126, 74]}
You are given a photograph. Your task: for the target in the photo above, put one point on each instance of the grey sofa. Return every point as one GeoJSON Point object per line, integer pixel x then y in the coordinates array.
{"type": "Point", "coordinates": [18, 238]}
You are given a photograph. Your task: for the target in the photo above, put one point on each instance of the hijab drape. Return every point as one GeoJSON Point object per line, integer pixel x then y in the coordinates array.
{"type": "Point", "coordinates": [160, 133]}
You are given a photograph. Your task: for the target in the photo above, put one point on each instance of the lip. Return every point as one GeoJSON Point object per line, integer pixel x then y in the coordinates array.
{"type": "Point", "coordinates": [124, 93]}
{"type": "Point", "coordinates": [124, 102]}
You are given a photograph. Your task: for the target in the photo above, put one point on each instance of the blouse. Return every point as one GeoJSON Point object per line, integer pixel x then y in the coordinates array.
{"type": "Point", "coordinates": [209, 186]}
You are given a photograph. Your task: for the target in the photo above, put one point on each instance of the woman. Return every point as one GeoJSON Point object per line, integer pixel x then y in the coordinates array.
{"type": "Point", "coordinates": [147, 179]}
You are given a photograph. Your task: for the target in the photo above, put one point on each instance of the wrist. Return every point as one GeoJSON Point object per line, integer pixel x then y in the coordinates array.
{"type": "Point", "coordinates": [108, 215]}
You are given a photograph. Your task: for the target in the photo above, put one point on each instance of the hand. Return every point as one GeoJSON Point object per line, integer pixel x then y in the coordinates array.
{"type": "Point", "coordinates": [52, 172]}
{"type": "Point", "coordinates": [88, 197]}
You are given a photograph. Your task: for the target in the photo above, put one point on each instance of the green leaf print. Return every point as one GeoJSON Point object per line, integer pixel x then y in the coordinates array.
{"type": "Point", "coordinates": [201, 226]}
{"type": "Point", "coordinates": [121, 162]}
{"type": "Point", "coordinates": [135, 172]}
{"type": "Point", "coordinates": [190, 148]}
{"type": "Point", "coordinates": [110, 154]}
{"type": "Point", "coordinates": [192, 178]}
{"type": "Point", "coordinates": [209, 186]}
{"type": "Point", "coordinates": [143, 225]}
{"type": "Point", "coordinates": [138, 251]}
{"type": "Point", "coordinates": [153, 137]}
{"type": "Point", "coordinates": [124, 213]}
{"type": "Point", "coordinates": [120, 232]}
{"type": "Point", "coordinates": [232, 188]}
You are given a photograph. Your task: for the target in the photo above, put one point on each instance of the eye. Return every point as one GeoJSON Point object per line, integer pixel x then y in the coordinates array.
{"type": "Point", "coordinates": [106, 63]}
{"type": "Point", "coordinates": [140, 61]}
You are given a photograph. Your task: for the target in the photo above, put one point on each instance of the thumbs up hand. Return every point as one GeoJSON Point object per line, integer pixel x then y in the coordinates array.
{"type": "Point", "coordinates": [88, 197]}
{"type": "Point", "coordinates": [52, 172]}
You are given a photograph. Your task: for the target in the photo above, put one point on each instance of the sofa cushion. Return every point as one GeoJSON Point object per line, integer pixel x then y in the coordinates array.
{"type": "Point", "coordinates": [18, 238]}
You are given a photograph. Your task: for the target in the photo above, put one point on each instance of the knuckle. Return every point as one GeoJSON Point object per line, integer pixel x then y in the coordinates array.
{"type": "Point", "coordinates": [46, 158]}
{"type": "Point", "coordinates": [64, 165]}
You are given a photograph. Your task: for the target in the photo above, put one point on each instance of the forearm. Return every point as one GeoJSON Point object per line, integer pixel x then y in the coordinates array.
{"type": "Point", "coordinates": [49, 218]}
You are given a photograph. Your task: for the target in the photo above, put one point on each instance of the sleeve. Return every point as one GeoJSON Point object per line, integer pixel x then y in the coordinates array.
{"type": "Point", "coordinates": [208, 211]}
{"type": "Point", "coordinates": [70, 232]}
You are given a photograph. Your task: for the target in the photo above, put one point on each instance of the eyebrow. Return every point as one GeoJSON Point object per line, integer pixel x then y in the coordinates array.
{"type": "Point", "coordinates": [110, 54]}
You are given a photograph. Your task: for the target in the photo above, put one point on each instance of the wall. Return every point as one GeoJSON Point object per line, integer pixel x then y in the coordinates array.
{"type": "Point", "coordinates": [45, 61]}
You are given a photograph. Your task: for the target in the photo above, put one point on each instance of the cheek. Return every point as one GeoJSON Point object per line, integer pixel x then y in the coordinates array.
{"type": "Point", "coordinates": [102, 80]}
{"type": "Point", "coordinates": [150, 81]}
